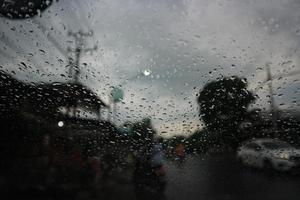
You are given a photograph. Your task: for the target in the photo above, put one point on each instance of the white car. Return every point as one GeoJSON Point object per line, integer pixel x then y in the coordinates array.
{"type": "Point", "coordinates": [269, 153]}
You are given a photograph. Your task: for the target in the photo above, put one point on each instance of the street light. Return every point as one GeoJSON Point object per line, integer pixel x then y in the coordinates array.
{"type": "Point", "coordinates": [60, 124]}
{"type": "Point", "coordinates": [147, 72]}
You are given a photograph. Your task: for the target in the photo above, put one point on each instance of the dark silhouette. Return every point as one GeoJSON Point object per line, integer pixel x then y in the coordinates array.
{"type": "Point", "coordinates": [142, 133]}
{"type": "Point", "coordinates": [149, 174]}
{"type": "Point", "coordinates": [46, 99]}
{"type": "Point", "coordinates": [36, 152]}
{"type": "Point", "coordinates": [50, 97]}
{"type": "Point", "coordinates": [21, 9]}
{"type": "Point", "coordinates": [223, 107]}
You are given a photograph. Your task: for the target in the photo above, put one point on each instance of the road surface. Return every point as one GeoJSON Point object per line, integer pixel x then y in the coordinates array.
{"type": "Point", "coordinates": [199, 177]}
{"type": "Point", "coordinates": [221, 177]}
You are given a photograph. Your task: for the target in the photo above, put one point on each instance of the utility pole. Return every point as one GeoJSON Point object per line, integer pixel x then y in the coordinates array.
{"type": "Point", "coordinates": [79, 39]}
{"type": "Point", "coordinates": [273, 109]}
{"type": "Point", "coordinates": [269, 81]}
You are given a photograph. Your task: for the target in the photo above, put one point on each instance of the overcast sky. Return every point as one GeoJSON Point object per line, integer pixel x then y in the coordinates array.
{"type": "Point", "coordinates": [185, 43]}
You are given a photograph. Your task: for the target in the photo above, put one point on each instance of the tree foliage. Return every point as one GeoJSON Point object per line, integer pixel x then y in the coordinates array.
{"type": "Point", "coordinates": [224, 103]}
{"type": "Point", "coordinates": [224, 106]}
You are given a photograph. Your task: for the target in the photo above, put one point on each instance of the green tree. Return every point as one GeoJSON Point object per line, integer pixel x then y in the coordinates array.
{"type": "Point", "coordinates": [223, 106]}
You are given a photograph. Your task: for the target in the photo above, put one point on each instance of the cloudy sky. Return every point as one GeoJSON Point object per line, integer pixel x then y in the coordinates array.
{"type": "Point", "coordinates": [185, 43]}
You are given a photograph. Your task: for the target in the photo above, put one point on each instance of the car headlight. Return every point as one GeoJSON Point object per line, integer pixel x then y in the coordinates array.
{"type": "Point", "coordinates": [283, 156]}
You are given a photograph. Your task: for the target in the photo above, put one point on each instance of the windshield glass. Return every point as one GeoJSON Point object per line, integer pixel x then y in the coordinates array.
{"type": "Point", "coordinates": [149, 99]}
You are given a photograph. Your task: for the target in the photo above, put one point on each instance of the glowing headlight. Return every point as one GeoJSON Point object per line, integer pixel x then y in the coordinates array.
{"type": "Point", "coordinates": [283, 156]}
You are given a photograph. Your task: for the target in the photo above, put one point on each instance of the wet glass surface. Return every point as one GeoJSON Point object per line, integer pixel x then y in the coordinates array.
{"type": "Point", "coordinates": [145, 99]}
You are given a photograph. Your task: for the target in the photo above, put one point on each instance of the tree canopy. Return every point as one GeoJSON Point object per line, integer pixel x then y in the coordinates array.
{"type": "Point", "coordinates": [223, 103]}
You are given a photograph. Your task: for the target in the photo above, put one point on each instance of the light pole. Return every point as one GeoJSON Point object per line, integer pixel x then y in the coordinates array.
{"type": "Point", "coordinates": [269, 80]}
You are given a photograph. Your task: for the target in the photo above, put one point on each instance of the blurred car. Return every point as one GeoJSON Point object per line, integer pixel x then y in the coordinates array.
{"type": "Point", "coordinates": [269, 154]}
